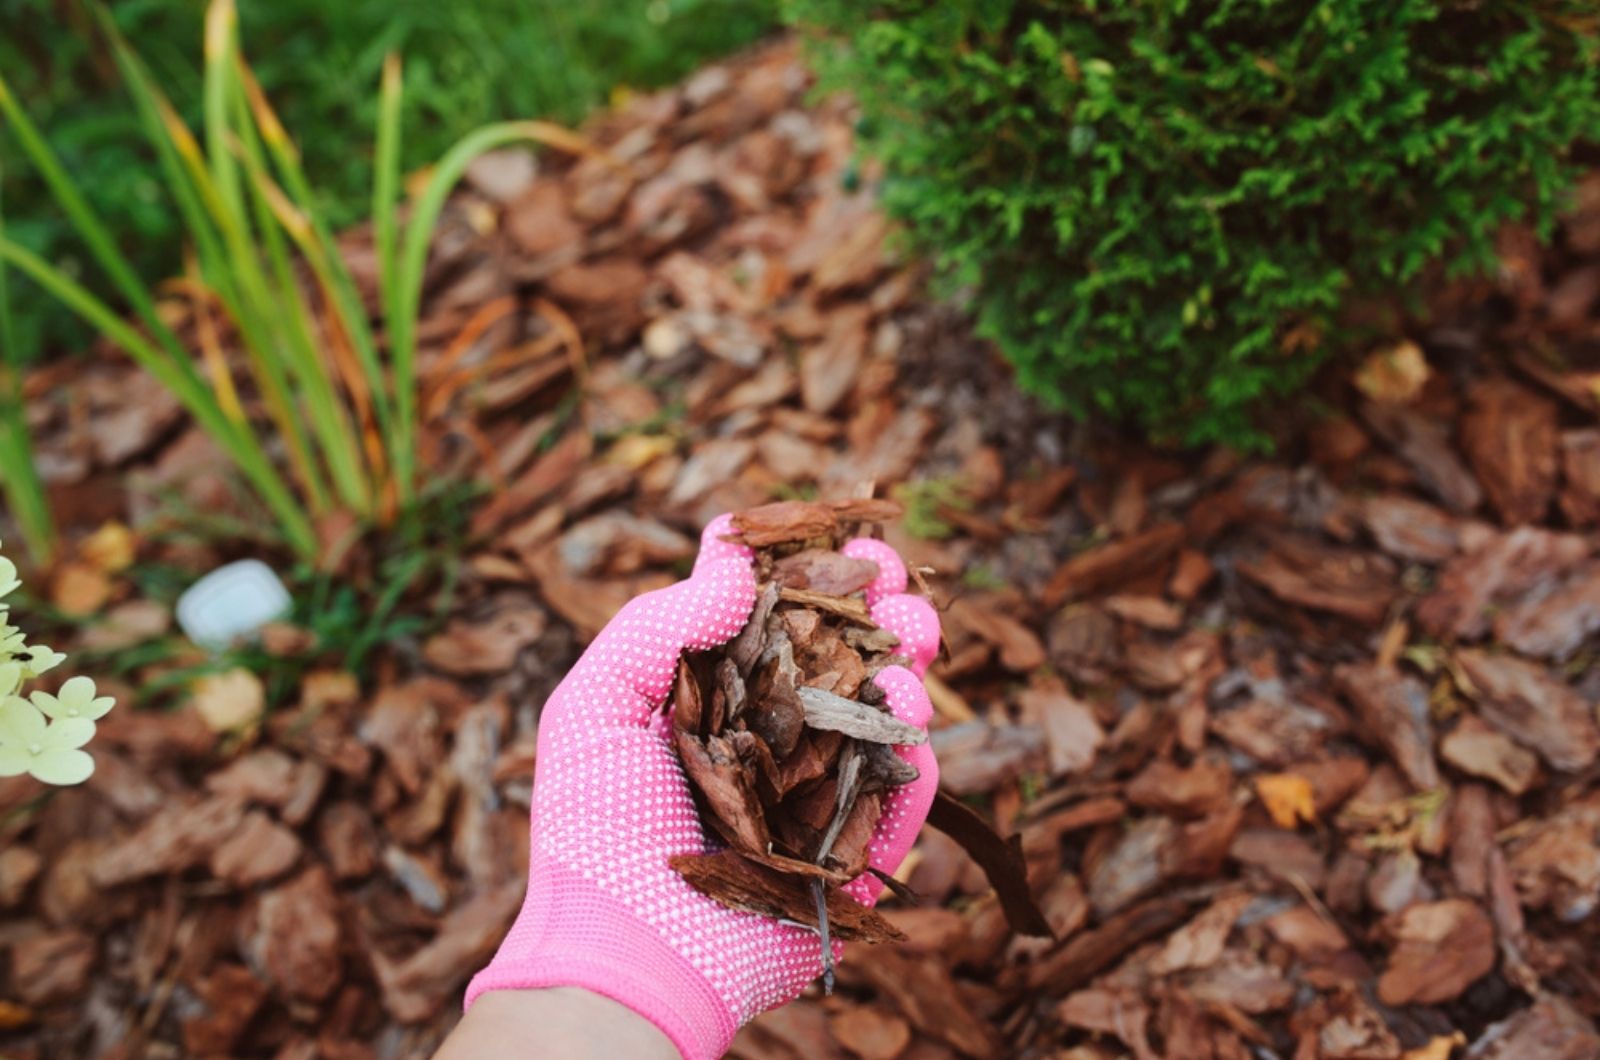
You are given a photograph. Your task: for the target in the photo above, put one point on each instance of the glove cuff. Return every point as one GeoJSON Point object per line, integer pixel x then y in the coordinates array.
{"type": "Point", "coordinates": [597, 943]}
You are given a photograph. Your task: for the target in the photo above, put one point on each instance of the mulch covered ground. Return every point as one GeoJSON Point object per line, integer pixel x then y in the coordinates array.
{"type": "Point", "coordinates": [1302, 749]}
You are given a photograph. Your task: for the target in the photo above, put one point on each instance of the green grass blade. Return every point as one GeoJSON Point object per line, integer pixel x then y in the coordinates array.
{"type": "Point", "coordinates": [337, 440]}
{"type": "Point", "coordinates": [221, 44]}
{"type": "Point", "coordinates": [402, 318]}
{"type": "Point", "coordinates": [19, 475]}
{"type": "Point", "coordinates": [386, 179]}
{"type": "Point", "coordinates": [321, 251]}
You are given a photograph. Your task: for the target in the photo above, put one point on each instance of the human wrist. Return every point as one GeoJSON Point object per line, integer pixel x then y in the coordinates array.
{"type": "Point", "coordinates": [564, 1021]}
{"type": "Point", "coordinates": [573, 933]}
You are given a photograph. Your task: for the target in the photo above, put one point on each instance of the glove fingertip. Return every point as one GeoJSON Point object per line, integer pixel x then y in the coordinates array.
{"type": "Point", "coordinates": [714, 546]}
{"type": "Point", "coordinates": [892, 577]}
{"type": "Point", "coordinates": [906, 695]}
{"type": "Point", "coordinates": [721, 594]}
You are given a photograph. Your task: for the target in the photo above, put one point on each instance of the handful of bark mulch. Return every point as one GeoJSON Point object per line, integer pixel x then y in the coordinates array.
{"type": "Point", "coordinates": [788, 744]}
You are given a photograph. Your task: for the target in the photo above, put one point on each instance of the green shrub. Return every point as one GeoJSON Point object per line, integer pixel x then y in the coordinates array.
{"type": "Point", "coordinates": [1161, 206]}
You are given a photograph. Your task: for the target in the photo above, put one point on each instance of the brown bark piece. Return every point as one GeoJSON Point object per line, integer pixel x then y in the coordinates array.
{"type": "Point", "coordinates": [1000, 859]}
{"type": "Point", "coordinates": [1354, 585]}
{"type": "Point", "coordinates": [1087, 954]}
{"type": "Point", "coordinates": [797, 1031]}
{"type": "Point", "coordinates": [1309, 932]}
{"type": "Point", "coordinates": [1507, 566]}
{"type": "Point", "coordinates": [1411, 529]}
{"type": "Point", "coordinates": [871, 1033]}
{"type": "Point", "coordinates": [262, 777]}
{"type": "Point", "coordinates": [1200, 942]}
{"type": "Point", "coordinates": [260, 850]}
{"type": "Point", "coordinates": [178, 837]}
{"type": "Point", "coordinates": [1190, 574]}
{"type": "Point", "coordinates": [1550, 1029]}
{"type": "Point", "coordinates": [52, 966]}
{"type": "Point", "coordinates": [1120, 1014]}
{"type": "Point", "coordinates": [1557, 863]}
{"type": "Point", "coordinates": [784, 522]}
{"type": "Point", "coordinates": [1475, 748]}
{"type": "Point", "coordinates": [975, 756]}
{"type": "Point", "coordinates": [1393, 711]}
{"type": "Point", "coordinates": [404, 724]}
{"type": "Point", "coordinates": [831, 713]}
{"type": "Point", "coordinates": [1580, 473]}
{"type": "Point", "coordinates": [1472, 828]}
{"type": "Point", "coordinates": [1132, 867]}
{"type": "Point", "coordinates": [1354, 1031]}
{"type": "Point", "coordinates": [488, 647]}
{"type": "Point", "coordinates": [1242, 982]}
{"type": "Point", "coordinates": [828, 370]}
{"type": "Point", "coordinates": [1424, 445]}
{"type": "Point", "coordinates": [1071, 731]}
{"type": "Point", "coordinates": [740, 883]}
{"type": "Point", "coordinates": [1019, 648]}
{"type": "Point", "coordinates": [348, 839]}
{"type": "Point", "coordinates": [1554, 626]}
{"type": "Point", "coordinates": [845, 607]}
{"type": "Point", "coordinates": [232, 995]}
{"type": "Point", "coordinates": [417, 986]}
{"type": "Point", "coordinates": [717, 773]}
{"type": "Point", "coordinates": [1509, 434]}
{"type": "Point", "coordinates": [19, 866]}
{"type": "Point", "coordinates": [928, 997]}
{"type": "Point", "coordinates": [291, 936]}
{"type": "Point", "coordinates": [1112, 565]}
{"type": "Point", "coordinates": [1192, 791]}
{"type": "Point", "coordinates": [824, 571]}
{"type": "Point", "coordinates": [1441, 949]}
{"type": "Point", "coordinates": [1523, 700]}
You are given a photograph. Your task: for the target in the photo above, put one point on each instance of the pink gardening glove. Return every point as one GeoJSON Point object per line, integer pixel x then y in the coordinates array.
{"type": "Point", "coordinates": [604, 911]}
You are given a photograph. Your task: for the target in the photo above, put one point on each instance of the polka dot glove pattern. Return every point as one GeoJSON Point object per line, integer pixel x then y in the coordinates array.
{"type": "Point", "coordinates": [604, 910]}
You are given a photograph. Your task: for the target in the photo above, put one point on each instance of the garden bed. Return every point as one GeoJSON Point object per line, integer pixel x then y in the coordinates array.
{"type": "Point", "coordinates": [1302, 749]}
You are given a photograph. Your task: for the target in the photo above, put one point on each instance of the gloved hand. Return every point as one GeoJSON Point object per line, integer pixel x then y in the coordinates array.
{"type": "Point", "coordinates": [604, 911]}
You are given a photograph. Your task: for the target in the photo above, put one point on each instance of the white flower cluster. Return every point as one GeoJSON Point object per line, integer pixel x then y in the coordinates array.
{"type": "Point", "coordinates": [42, 735]}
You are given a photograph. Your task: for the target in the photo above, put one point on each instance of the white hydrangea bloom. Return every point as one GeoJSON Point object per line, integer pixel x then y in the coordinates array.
{"type": "Point", "coordinates": [49, 752]}
{"type": "Point", "coordinates": [75, 700]}
{"type": "Point", "coordinates": [43, 738]}
{"type": "Point", "coordinates": [42, 657]}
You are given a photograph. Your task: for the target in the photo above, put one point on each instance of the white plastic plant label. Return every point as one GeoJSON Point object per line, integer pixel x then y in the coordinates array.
{"type": "Point", "coordinates": [231, 602]}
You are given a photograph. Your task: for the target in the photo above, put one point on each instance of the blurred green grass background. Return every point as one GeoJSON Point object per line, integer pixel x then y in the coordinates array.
{"type": "Point", "coordinates": [467, 62]}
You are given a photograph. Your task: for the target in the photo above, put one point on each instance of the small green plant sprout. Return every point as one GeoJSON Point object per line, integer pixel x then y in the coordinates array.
{"type": "Point", "coordinates": [42, 735]}
{"type": "Point", "coordinates": [928, 502]}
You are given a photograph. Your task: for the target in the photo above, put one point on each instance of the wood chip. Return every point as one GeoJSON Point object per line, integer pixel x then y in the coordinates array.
{"type": "Point", "coordinates": [1443, 948]}
{"type": "Point", "coordinates": [1527, 703]}
{"type": "Point", "coordinates": [1481, 751]}
{"type": "Point", "coordinates": [1000, 859]}
{"type": "Point", "coordinates": [1509, 434]}
{"type": "Point", "coordinates": [1092, 572]}
{"type": "Point", "coordinates": [740, 883]}
{"type": "Point", "coordinates": [824, 710]}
